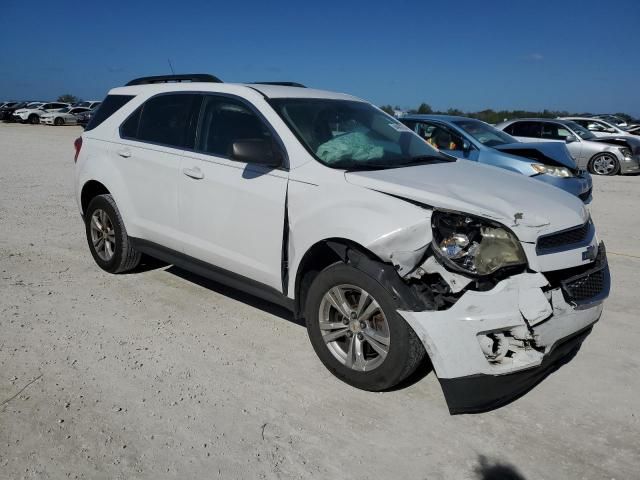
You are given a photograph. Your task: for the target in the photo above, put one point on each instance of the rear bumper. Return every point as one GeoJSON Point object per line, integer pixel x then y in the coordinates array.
{"type": "Point", "coordinates": [540, 323]}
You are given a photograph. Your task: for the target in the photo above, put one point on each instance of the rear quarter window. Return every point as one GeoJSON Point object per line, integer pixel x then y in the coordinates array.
{"type": "Point", "coordinates": [108, 107]}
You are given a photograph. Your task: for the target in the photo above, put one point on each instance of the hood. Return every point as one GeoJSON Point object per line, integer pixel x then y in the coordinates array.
{"type": "Point", "coordinates": [621, 141]}
{"type": "Point", "coordinates": [529, 207]}
{"type": "Point", "coordinates": [550, 153]}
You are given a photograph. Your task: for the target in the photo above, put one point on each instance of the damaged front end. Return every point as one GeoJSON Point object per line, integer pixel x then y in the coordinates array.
{"type": "Point", "coordinates": [492, 325]}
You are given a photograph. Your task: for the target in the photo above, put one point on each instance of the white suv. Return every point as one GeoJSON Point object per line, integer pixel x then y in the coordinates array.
{"type": "Point", "coordinates": [32, 112]}
{"type": "Point", "coordinates": [321, 202]}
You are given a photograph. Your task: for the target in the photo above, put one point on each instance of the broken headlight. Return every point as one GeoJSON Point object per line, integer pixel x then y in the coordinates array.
{"type": "Point", "coordinates": [475, 246]}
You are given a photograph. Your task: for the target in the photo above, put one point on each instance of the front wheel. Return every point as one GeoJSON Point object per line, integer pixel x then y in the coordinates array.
{"type": "Point", "coordinates": [107, 236]}
{"type": "Point", "coordinates": [604, 164]}
{"type": "Point", "coordinates": [58, 122]}
{"type": "Point", "coordinates": [34, 119]}
{"type": "Point", "coordinates": [356, 332]}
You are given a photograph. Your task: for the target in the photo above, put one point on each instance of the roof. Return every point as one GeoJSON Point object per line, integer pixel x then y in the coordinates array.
{"type": "Point", "coordinates": [270, 91]}
{"type": "Point", "coordinates": [534, 119]}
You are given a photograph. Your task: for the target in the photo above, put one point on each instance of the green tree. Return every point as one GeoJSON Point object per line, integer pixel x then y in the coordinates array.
{"type": "Point", "coordinates": [387, 108]}
{"type": "Point", "coordinates": [425, 108]}
{"type": "Point", "coordinates": [68, 98]}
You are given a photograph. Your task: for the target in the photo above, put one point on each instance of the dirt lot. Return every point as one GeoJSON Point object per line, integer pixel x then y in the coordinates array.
{"type": "Point", "coordinates": [160, 374]}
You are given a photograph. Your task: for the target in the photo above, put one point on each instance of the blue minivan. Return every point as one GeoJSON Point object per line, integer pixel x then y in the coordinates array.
{"type": "Point", "coordinates": [471, 139]}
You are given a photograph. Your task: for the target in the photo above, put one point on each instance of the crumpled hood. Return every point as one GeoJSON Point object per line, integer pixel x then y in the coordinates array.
{"type": "Point", "coordinates": [554, 150]}
{"type": "Point", "coordinates": [621, 141]}
{"type": "Point", "coordinates": [529, 207]}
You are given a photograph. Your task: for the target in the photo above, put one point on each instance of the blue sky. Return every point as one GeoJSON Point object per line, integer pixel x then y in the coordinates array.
{"type": "Point", "coordinates": [471, 55]}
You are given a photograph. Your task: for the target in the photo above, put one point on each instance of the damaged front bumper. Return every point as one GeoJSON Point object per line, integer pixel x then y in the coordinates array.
{"type": "Point", "coordinates": [491, 347]}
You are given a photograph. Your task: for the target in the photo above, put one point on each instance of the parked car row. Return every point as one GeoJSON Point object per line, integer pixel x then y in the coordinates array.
{"type": "Point", "coordinates": [563, 149]}
{"type": "Point", "coordinates": [47, 113]}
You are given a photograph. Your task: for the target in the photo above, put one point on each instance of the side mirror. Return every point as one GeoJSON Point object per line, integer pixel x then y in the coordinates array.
{"type": "Point", "coordinates": [570, 139]}
{"type": "Point", "coordinates": [466, 146]}
{"type": "Point", "coordinates": [611, 130]}
{"type": "Point", "coordinates": [257, 151]}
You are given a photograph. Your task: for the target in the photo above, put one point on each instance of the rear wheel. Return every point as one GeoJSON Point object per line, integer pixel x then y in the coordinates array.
{"type": "Point", "coordinates": [604, 164]}
{"type": "Point", "coordinates": [107, 236]}
{"type": "Point", "coordinates": [356, 332]}
{"type": "Point", "coordinates": [34, 119]}
{"type": "Point", "coordinates": [58, 121]}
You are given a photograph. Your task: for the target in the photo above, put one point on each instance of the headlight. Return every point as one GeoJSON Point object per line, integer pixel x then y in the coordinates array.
{"type": "Point", "coordinates": [552, 170]}
{"type": "Point", "coordinates": [625, 152]}
{"type": "Point", "coordinates": [475, 246]}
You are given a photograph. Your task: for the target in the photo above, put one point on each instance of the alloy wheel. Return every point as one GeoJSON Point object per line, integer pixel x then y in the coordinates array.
{"type": "Point", "coordinates": [354, 327]}
{"type": "Point", "coordinates": [103, 235]}
{"type": "Point", "coordinates": [604, 164]}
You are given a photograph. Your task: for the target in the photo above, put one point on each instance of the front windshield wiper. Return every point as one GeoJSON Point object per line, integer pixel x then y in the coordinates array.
{"type": "Point", "coordinates": [351, 166]}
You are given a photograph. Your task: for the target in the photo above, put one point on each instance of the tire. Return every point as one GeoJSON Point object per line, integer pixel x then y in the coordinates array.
{"type": "Point", "coordinates": [604, 164]}
{"type": "Point", "coordinates": [121, 256]}
{"type": "Point", "coordinates": [371, 370]}
{"type": "Point", "coordinates": [34, 119]}
{"type": "Point", "coordinates": [58, 122]}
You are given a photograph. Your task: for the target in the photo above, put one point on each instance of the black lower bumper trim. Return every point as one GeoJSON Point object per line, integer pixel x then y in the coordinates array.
{"type": "Point", "coordinates": [482, 393]}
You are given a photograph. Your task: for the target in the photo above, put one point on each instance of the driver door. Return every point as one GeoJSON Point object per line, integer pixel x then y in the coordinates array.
{"type": "Point", "coordinates": [232, 213]}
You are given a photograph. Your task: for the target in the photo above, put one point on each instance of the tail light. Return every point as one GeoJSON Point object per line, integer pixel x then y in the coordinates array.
{"type": "Point", "coordinates": [78, 145]}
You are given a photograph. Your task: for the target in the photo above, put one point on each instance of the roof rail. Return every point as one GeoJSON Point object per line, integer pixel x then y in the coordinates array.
{"type": "Point", "coordinates": [283, 84]}
{"type": "Point", "coordinates": [187, 77]}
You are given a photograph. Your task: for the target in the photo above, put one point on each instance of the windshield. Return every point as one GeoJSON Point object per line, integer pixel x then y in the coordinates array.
{"type": "Point", "coordinates": [485, 133]}
{"type": "Point", "coordinates": [353, 135]}
{"type": "Point", "coordinates": [34, 105]}
{"type": "Point", "coordinates": [64, 110]}
{"type": "Point", "coordinates": [580, 130]}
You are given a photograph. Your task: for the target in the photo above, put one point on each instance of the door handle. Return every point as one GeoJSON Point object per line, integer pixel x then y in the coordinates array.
{"type": "Point", "coordinates": [193, 173]}
{"type": "Point", "coordinates": [125, 153]}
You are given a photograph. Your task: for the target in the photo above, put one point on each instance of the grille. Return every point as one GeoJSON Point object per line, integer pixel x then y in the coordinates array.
{"type": "Point", "coordinates": [567, 237]}
{"type": "Point", "coordinates": [585, 287]}
{"type": "Point", "coordinates": [585, 195]}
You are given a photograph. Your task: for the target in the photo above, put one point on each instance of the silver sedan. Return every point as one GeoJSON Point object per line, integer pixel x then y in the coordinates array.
{"type": "Point", "coordinates": [601, 156]}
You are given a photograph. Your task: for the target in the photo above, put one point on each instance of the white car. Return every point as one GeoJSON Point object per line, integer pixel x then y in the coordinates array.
{"type": "Point", "coordinates": [64, 116]}
{"type": "Point", "coordinates": [322, 203]}
{"type": "Point", "coordinates": [32, 112]}
{"type": "Point", "coordinates": [599, 127]}
{"type": "Point", "coordinates": [90, 104]}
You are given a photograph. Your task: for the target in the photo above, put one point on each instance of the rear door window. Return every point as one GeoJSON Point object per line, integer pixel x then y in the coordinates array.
{"type": "Point", "coordinates": [164, 120]}
{"type": "Point", "coordinates": [525, 129]}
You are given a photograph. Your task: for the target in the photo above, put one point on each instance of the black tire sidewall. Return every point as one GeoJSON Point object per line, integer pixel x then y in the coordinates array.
{"type": "Point", "coordinates": [101, 203]}
{"type": "Point", "coordinates": [58, 122]}
{"type": "Point", "coordinates": [394, 367]}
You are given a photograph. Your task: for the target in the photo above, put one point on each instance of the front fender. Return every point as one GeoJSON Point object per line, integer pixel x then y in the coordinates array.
{"type": "Point", "coordinates": [393, 229]}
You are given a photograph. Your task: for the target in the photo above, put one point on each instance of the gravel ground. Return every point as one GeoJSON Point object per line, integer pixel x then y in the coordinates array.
{"type": "Point", "coordinates": [161, 374]}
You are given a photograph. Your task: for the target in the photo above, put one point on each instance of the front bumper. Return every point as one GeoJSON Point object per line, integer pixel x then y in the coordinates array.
{"type": "Point", "coordinates": [542, 320]}
{"type": "Point", "coordinates": [630, 164]}
{"type": "Point", "coordinates": [581, 185]}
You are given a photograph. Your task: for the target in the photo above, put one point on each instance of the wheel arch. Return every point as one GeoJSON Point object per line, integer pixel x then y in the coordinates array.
{"type": "Point", "coordinates": [90, 190]}
{"type": "Point", "coordinates": [331, 250]}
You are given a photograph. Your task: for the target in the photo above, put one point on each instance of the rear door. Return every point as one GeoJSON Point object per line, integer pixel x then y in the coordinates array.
{"type": "Point", "coordinates": [147, 155]}
{"type": "Point", "coordinates": [232, 213]}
